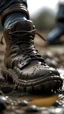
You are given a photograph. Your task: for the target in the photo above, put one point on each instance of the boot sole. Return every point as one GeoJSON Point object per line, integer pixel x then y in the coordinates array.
{"type": "Point", "coordinates": [40, 84]}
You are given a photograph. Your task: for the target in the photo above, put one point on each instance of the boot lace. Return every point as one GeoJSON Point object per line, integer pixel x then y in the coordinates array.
{"type": "Point", "coordinates": [27, 46]}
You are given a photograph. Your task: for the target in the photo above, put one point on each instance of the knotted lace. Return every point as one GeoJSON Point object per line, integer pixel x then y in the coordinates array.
{"type": "Point", "coordinates": [27, 47]}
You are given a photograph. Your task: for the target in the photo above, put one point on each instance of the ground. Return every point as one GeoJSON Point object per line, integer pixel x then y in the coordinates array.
{"type": "Point", "coordinates": [15, 102]}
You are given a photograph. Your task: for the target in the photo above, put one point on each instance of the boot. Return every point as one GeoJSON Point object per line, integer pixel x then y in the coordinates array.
{"type": "Point", "coordinates": [23, 65]}
{"type": "Point", "coordinates": [58, 31]}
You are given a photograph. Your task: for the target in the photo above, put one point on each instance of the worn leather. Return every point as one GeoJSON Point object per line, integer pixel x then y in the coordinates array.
{"type": "Point", "coordinates": [21, 55]}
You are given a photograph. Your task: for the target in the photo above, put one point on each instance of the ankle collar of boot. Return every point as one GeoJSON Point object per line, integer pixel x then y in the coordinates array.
{"type": "Point", "coordinates": [61, 4]}
{"type": "Point", "coordinates": [18, 7]}
{"type": "Point", "coordinates": [60, 20]}
{"type": "Point", "coordinates": [60, 13]}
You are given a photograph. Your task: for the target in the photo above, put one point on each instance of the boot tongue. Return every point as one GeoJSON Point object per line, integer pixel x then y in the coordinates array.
{"type": "Point", "coordinates": [25, 25]}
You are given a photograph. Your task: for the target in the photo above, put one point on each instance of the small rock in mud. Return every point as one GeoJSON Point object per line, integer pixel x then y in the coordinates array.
{"type": "Point", "coordinates": [32, 108]}
{"type": "Point", "coordinates": [23, 103]}
{"type": "Point", "coordinates": [2, 103]}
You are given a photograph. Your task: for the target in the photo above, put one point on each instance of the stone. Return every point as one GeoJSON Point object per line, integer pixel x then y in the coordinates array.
{"type": "Point", "coordinates": [23, 103]}
{"type": "Point", "coordinates": [2, 103]}
{"type": "Point", "coordinates": [32, 108]}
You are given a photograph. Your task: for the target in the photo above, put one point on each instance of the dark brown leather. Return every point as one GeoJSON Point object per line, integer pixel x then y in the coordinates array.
{"type": "Point", "coordinates": [23, 59]}
{"type": "Point", "coordinates": [18, 7]}
{"type": "Point", "coordinates": [16, 52]}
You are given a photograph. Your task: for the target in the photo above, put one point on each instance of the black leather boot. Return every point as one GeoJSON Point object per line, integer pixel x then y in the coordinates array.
{"type": "Point", "coordinates": [23, 65]}
{"type": "Point", "coordinates": [54, 37]}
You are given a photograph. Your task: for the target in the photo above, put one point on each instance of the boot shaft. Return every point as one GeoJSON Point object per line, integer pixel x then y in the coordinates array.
{"type": "Point", "coordinates": [60, 14]}
{"type": "Point", "coordinates": [14, 8]}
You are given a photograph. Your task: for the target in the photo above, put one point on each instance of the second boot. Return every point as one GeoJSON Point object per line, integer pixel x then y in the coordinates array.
{"type": "Point", "coordinates": [55, 35]}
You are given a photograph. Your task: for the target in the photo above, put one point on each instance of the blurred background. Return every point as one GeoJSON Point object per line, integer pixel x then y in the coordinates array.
{"type": "Point", "coordinates": [43, 13]}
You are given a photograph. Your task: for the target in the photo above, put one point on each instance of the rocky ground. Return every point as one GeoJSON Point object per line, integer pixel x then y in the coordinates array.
{"type": "Point", "coordinates": [14, 101]}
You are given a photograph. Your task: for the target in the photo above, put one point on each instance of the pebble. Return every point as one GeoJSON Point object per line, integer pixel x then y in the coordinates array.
{"type": "Point", "coordinates": [45, 112]}
{"type": "Point", "coordinates": [23, 103]}
{"type": "Point", "coordinates": [1, 93]}
{"type": "Point", "coordinates": [59, 111]}
{"type": "Point", "coordinates": [17, 111]}
{"type": "Point", "coordinates": [2, 103]}
{"type": "Point", "coordinates": [57, 104]}
{"type": "Point", "coordinates": [32, 108]}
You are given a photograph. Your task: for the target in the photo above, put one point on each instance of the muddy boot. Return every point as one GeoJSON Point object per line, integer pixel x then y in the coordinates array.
{"type": "Point", "coordinates": [23, 65]}
{"type": "Point", "coordinates": [58, 31]}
